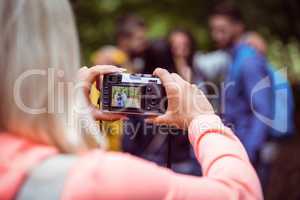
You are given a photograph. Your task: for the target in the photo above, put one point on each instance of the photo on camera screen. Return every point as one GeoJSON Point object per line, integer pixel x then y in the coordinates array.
{"type": "Point", "coordinates": [126, 97]}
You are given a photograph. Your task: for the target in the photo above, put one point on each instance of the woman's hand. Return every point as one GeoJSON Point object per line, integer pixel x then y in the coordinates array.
{"type": "Point", "coordinates": [185, 101]}
{"type": "Point", "coordinates": [87, 76]}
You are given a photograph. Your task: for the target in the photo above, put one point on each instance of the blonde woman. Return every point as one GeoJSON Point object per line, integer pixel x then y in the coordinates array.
{"type": "Point", "coordinates": [44, 153]}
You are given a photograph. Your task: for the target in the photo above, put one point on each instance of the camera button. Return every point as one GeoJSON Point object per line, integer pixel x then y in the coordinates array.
{"type": "Point", "coordinates": [153, 101]}
{"type": "Point", "coordinates": [147, 75]}
{"type": "Point", "coordinates": [105, 100]}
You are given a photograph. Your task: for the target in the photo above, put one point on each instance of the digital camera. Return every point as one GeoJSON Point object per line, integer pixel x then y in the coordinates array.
{"type": "Point", "coordinates": [141, 94]}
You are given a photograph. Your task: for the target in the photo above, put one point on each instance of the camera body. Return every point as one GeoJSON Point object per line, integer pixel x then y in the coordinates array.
{"type": "Point", "coordinates": [141, 94]}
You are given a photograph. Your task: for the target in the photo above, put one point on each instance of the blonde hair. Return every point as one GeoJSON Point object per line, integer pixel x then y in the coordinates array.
{"type": "Point", "coordinates": [36, 35]}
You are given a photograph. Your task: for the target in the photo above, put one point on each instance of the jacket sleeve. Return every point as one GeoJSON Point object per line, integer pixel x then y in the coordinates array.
{"type": "Point", "coordinates": [254, 75]}
{"type": "Point", "coordinates": [227, 171]}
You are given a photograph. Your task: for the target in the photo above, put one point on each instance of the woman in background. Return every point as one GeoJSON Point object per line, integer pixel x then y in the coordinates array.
{"type": "Point", "coordinates": [182, 47]}
{"type": "Point", "coordinates": [109, 55]}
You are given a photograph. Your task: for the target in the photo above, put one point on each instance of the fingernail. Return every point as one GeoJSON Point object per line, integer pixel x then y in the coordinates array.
{"type": "Point", "coordinates": [118, 70]}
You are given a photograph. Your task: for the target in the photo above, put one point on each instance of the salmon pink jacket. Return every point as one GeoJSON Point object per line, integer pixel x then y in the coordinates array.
{"type": "Point", "coordinates": [227, 172]}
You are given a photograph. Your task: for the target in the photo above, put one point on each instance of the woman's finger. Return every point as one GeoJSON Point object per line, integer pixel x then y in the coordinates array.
{"type": "Point", "coordinates": [162, 119]}
{"type": "Point", "coordinates": [150, 119]}
{"type": "Point", "coordinates": [178, 78]}
{"type": "Point", "coordinates": [99, 115]}
{"type": "Point", "coordinates": [164, 75]}
{"type": "Point", "coordinates": [105, 69]}
{"type": "Point", "coordinates": [168, 82]}
{"type": "Point", "coordinates": [98, 70]}
{"type": "Point", "coordinates": [87, 76]}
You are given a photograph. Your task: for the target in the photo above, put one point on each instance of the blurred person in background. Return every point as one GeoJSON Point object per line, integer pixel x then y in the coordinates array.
{"type": "Point", "coordinates": [42, 156]}
{"type": "Point", "coordinates": [244, 73]}
{"type": "Point", "coordinates": [132, 40]}
{"type": "Point", "coordinates": [213, 66]}
{"type": "Point", "coordinates": [175, 53]}
{"type": "Point", "coordinates": [182, 46]}
{"type": "Point", "coordinates": [109, 55]}
{"type": "Point", "coordinates": [255, 40]}
{"type": "Point", "coordinates": [131, 45]}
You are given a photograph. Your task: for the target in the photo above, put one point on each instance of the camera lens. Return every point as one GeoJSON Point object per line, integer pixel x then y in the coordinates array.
{"type": "Point", "coordinates": [149, 89]}
{"type": "Point", "coordinates": [153, 101]}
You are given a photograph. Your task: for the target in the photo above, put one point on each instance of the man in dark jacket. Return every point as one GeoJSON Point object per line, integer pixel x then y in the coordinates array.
{"type": "Point", "coordinates": [240, 101]}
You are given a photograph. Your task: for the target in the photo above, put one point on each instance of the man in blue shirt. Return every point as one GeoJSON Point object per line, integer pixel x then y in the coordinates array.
{"type": "Point", "coordinates": [241, 102]}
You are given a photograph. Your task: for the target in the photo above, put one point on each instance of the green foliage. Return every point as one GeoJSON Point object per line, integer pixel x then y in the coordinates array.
{"type": "Point", "coordinates": [286, 55]}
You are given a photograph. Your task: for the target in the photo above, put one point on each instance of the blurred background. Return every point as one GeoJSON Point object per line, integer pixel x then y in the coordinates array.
{"type": "Point", "coordinates": [276, 20]}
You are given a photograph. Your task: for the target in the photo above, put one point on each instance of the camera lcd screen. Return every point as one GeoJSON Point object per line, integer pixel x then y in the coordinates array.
{"type": "Point", "coordinates": [126, 97]}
